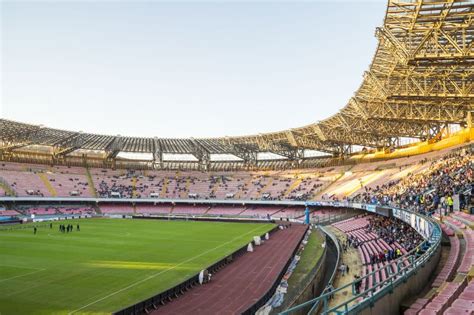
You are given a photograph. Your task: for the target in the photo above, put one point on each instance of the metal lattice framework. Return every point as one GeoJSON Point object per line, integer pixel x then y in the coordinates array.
{"type": "Point", "coordinates": [420, 80]}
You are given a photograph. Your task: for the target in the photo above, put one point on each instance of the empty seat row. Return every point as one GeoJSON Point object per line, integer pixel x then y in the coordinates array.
{"type": "Point", "coordinates": [448, 268]}
{"type": "Point", "coordinates": [452, 298]}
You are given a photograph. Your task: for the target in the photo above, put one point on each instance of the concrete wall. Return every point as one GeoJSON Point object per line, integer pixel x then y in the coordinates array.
{"type": "Point", "coordinates": [316, 285]}
{"type": "Point", "coordinates": [314, 288]}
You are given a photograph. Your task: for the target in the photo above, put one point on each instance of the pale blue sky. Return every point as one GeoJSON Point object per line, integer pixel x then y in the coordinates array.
{"type": "Point", "coordinates": [177, 69]}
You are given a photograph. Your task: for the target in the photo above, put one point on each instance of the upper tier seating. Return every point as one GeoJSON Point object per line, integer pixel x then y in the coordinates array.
{"type": "Point", "coordinates": [41, 180]}
{"type": "Point", "coordinates": [428, 191]}
{"type": "Point", "coordinates": [379, 180]}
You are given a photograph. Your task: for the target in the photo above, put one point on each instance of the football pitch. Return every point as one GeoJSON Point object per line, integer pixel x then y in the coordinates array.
{"type": "Point", "coordinates": [110, 263]}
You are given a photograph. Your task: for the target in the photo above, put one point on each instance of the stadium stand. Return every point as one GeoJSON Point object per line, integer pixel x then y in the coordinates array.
{"type": "Point", "coordinates": [380, 241]}
{"type": "Point", "coordinates": [428, 190]}
{"type": "Point", "coordinates": [357, 184]}
{"type": "Point", "coordinates": [190, 209]}
{"type": "Point", "coordinates": [453, 288]}
{"type": "Point", "coordinates": [420, 184]}
{"type": "Point", "coordinates": [54, 210]}
{"type": "Point", "coordinates": [116, 209]}
{"type": "Point", "coordinates": [452, 298]}
{"type": "Point", "coordinates": [31, 179]}
{"type": "Point", "coordinates": [154, 209]}
{"type": "Point", "coordinates": [8, 213]}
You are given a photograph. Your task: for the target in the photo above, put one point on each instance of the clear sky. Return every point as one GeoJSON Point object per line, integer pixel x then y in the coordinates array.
{"type": "Point", "coordinates": [181, 69]}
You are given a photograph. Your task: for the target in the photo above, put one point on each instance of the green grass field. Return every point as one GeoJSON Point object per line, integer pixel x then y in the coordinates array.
{"type": "Point", "coordinates": [109, 264]}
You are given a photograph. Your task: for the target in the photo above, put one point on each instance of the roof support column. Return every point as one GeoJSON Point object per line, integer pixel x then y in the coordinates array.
{"type": "Point", "coordinates": [469, 119]}
{"type": "Point", "coordinates": [345, 150]}
{"type": "Point", "coordinates": [157, 155]}
{"type": "Point", "coordinates": [250, 159]}
{"type": "Point", "coordinates": [204, 160]}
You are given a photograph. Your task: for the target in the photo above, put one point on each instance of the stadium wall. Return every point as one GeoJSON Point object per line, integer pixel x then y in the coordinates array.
{"type": "Point", "coordinates": [205, 219]}
{"type": "Point", "coordinates": [318, 280]}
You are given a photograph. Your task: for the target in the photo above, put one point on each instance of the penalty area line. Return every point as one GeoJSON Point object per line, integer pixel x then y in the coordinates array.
{"type": "Point", "coordinates": [160, 272]}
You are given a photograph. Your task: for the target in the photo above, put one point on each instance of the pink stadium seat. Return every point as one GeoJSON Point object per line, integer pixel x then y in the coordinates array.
{"type": "Point", "coordinates": [8, 212]}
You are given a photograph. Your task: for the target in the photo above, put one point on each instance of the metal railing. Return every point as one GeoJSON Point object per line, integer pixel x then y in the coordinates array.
{"type": "Point", "coordinates": [406, 266]}
{"type": "Point", "coordinates": [327, 219]}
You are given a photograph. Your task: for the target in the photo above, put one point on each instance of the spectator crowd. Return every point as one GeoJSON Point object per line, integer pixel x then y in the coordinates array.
{"type": "Point", "coordinates": [431, 190]}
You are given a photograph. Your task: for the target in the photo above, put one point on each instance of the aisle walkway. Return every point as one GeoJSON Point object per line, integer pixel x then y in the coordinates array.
{"type": "Point", "coordinates": [352, 259]}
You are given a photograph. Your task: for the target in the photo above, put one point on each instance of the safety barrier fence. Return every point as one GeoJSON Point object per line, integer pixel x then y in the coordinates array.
{"type": "Point", "coordinates": [406, 266]}
{"type": "Point", "coordinates": [329, 218]}
{"type": "Point", "coordinates": [201, 218]}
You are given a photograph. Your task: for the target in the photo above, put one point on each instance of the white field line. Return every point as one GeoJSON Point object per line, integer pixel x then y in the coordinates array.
{"type": "Point", "coordinates": [160, 272]}
{"type": "Point", "coordinates": [23, 275]}
{"type": "Point", "coordinates": [21, 267]}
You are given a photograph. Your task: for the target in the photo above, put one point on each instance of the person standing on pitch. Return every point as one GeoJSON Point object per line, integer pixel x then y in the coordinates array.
{"type": "Point", "coordinates": [34, 230]}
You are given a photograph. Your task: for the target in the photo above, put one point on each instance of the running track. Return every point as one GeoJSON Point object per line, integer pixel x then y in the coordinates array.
{"type": "Point", "coordinates": [240, 284]}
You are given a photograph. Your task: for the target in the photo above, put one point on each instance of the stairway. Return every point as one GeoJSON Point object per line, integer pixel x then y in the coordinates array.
{"type": "Point", "coordinates": [295, 184]}
{"type": "Point", "coordinates": [97, 209]}
{"type": "Point", "coordinates": [207, 210]}
{"type": "Point", "coordinates": [48, 185]}
{"type": "Point", "coordinates": [163, 189]}
{"type": "Point", "coordinates": [184, 194]}
{"type": "Point", "coordinates": [245, 209]}
{"type": "Point", "coordinates": [134, 189]}
{"type": "Point", "coordinates": [241, 191]}
{"type": "Point", "coordinates": [90, 182]}
{"type": "Point", "coordinates": [214, 187]}
{"type": "Point", "coordinates": [262, 191]}
{"type": "Point", "coordinates": [7, 188]}
{"type": "Point", "coordinates": [326, 187]}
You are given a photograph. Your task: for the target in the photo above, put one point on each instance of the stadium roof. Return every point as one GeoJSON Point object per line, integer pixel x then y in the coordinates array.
{"type": "Point", "coordinates": [421, 80]}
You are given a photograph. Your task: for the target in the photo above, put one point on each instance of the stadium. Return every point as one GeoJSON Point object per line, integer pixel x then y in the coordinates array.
{"type": "Point", "coordinates": [369, 211]}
